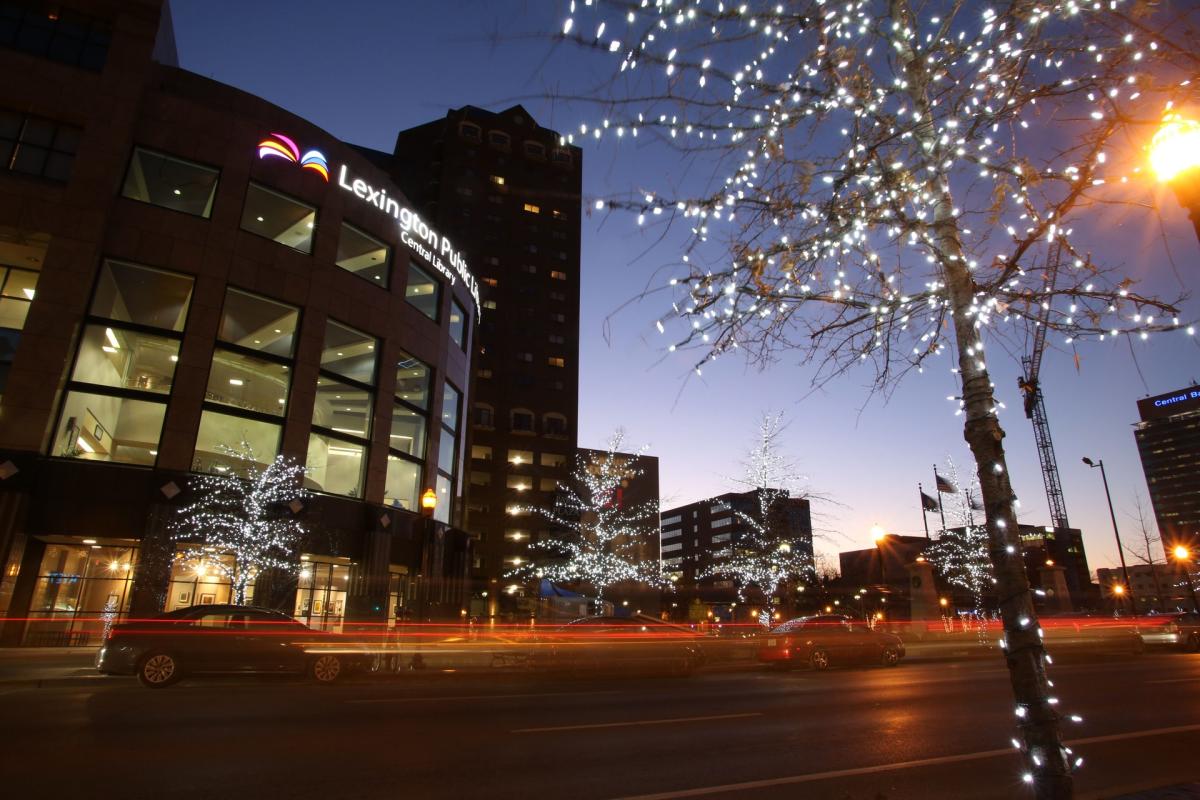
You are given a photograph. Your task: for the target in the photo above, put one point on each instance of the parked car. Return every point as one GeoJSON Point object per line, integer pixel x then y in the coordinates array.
{"type": "Point", "coordinates": [826, 640]}
{"type": "Point", "coordinates": [222, 639]}
{"type": "Point", "coordinates": [1178, 630]}
{"type": "Point", "coordinates": [617, 645]}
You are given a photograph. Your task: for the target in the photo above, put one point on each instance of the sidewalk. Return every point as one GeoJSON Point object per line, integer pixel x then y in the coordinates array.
{"type": "Point", "coordinates": [34, 667]}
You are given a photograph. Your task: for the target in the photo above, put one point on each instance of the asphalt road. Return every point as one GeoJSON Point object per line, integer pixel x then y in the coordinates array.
{"type": "Point", "coordinates": [937, 730]}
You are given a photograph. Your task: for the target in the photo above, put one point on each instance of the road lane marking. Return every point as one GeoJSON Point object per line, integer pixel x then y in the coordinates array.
{"type": "Point", "coordinates": [634, 723]}
{"type": "Point", "coordinates": [433, 697]}
{"type": "Point", "coordinates": [923, 762]}
{"type": "Point", "coordinates": [1175, 680]}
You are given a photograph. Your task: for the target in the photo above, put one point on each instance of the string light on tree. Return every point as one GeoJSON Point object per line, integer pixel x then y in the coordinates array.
{"type": "Point", "coordinates": [888, 177]}
{"type": "Point", "coordinates": [602, 538]}
{"type": "Point", "coordinates": [247, 514]}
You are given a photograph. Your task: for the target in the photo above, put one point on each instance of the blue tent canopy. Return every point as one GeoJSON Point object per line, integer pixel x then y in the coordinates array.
{"type": "Point", "coordinates": [548, 589]}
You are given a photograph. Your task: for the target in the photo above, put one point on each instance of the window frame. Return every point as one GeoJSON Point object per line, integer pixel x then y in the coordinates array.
{"type": "Point", "coordinates": [71, 386]}
{"type": "Point", "coordinates": [271, 190]}
{"type": "Point", "coordinates": [388, 264]}
{"type": "Point", "coordinates": [436, 319]}
{"type": "Point", "coordinates": [152, 151]}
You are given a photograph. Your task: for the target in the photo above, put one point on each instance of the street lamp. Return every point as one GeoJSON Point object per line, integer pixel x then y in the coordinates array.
{"type": "Point", "coordinates": [1112, 514]}
{"type": "Point", "coordinates": [428, 502]}
{"type": "Point", "coordinates": [1183, 556]}
{"type": "Point", "coordinates": [1175, 157]}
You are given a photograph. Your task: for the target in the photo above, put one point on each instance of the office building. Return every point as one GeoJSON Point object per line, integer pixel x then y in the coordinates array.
{"type": "Point", "coordinates": [1168, 442]}
{"type": "Point", "coordinates": [509, 190]}
{"type": "Point", "coordinates": [696, 538]}
{"type": "Point", "coordinates": [185, 269]}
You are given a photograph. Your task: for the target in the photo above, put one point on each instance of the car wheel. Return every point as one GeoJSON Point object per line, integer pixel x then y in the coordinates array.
{"type": "Point", "coordinates": [891, 656]}
{"type": "Point", "coordinates": [158, 670]}
{"type": "Point", "coordinates": [325, 668]}
{"type": "Point", "coordinates": [819, 660]}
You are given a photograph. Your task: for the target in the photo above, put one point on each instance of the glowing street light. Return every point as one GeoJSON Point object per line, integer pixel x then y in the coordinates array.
{"type": "Point", "coordinates": [428, 502]}
{"type": "Point", "coordinates": [878, 534]}
{"type": "Point", "coordinates": [1175, 157]}
{"type": "Point", "coordinates": [1184, 556]}
{"type": "Point", "coordinates": [1113, 515]}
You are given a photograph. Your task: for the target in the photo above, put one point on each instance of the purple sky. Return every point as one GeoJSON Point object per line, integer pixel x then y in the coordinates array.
{"type": "Point", "coordinates": [364, 70]}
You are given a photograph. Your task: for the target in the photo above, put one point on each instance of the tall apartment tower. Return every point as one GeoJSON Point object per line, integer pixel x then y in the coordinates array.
{"type": "Point", "coordinates": [508, 192]}
{"type": "Point", "coordinates": [1168, 441]}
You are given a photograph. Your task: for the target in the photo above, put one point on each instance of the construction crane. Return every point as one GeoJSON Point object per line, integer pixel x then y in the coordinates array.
{"type": "Point", "coordinates": [1035, 408]}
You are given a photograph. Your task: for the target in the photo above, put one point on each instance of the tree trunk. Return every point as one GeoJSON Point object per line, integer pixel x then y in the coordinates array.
{"type": "Point", "coordinates": [1038, 719]}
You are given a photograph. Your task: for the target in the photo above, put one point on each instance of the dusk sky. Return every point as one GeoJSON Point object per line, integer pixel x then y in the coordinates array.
{"type": "Point", "coordinates": [364, 70]}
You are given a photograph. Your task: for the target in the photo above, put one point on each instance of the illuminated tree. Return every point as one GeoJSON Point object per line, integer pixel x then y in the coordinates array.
{"type": "Point", "coordinates": [887, 181]}
{"type": "Point", "coordinates": [603, 539]}
{"type": "Point", "coordinates": [246, 512]}
{"type": "Point", "coordinates": [765, 554]}
{"type": "Point", "coordinates": [960, 553]}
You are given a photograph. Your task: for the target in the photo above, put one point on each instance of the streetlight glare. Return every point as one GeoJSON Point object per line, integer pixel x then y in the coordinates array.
{"type": "Point", "coordinates": [1175, 147]}
{"type": "Point", "coordinates": [1181, 553]}
{"type": "Point", "coordinates": [877, 533]}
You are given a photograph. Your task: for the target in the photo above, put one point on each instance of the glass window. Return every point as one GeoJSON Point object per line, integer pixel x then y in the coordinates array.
{"type": "Point", "coordinates": [458, 324]}
{"type": "Point", "coordinates": [35, 146]}
{"type": "Point", "coordinates": [343, 408]}
{"type": "Point", "coordinates": [522, 420]}
{"type": "Point", "coordinates": [17, 290]}
{"type": "Point", "coordinates": [126, 359]}
{"type": "Point", "coordinates": [201, 579]}
{"type": "Point", "coordinates": [65, 36]}
{"type": "Point", "coordinates": [481, 452]}
{"type": "Point", "coordinates": [553, 459]}
{"type": "Point", "coordinates": [408, 431]}
{"type": "Point", "coordinates": [444, 500]}
{"type": "Point", "coordinates": [403, 478]}
{"type": "Point", "coordinates": [485, 416]}
{"type": "Point", "coordinates": [450, 400]}
{"type": "Point", "coordinates": [422, 292]}
{"type": "Point", "coordinates": [170, 182]}
{"type": "Point", "coordinates": [412, 380]}
{"type": "Point", "coordinates": [79, 592]}
{"type": "Point", "coordinates": [520, 456]}
{"type": "Point", "coordinates": [133, 293]}
{"type": "Point", "coordinates": [348, 353]}
{"type": "Point", "coordinates": [257, 323]}
{"type": "Point", "coordinates": [279, 218]}
{"type": "Point", "coordinates": [446, 452]}
{"type": "Point", "coordinates": [220, 432]}
{"type": "Point", "coordinates": [102, 428]}
{"type": "Point", "coordinates": [321, 591]}
{"type": "Point", "coordinates": [243, 381]}
{"type": "Point", "coordinates": [364, 255]}
{"type": "Point", "coordinates": [335, 466]}
{"type": "Point", "coordinates": [521, 483]}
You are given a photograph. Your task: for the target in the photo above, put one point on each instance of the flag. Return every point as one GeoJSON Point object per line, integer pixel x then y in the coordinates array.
{"type": "Point", "coordinates": [928, 503]}
{"type": "Point", "coordinates": [944, 485]}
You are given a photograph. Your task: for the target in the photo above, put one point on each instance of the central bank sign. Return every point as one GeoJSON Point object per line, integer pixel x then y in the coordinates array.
{"type": "Point", "coordinates": [430, 246]}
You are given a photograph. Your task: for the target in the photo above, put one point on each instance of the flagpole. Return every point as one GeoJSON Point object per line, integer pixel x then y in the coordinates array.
{"type": "Point", "coordinates": [941, 507]}
{"type": "Point", "coordinates": [924, 511]}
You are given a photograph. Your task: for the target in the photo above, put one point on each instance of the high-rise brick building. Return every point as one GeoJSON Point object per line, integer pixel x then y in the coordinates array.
{"type": "Point", "coordinates": [509, 191]}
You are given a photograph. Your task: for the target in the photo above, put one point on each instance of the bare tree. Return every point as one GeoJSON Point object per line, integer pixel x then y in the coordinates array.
{"type": "Point", "coordinates": [1146, 556]}
{"type": "Point", "coordinates": [886, 176]}
{"type": "Point", "coordinates": [764, 555]}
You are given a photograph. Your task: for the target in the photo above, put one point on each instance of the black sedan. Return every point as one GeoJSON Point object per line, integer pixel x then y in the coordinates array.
{"type": "Point", "coordinates": [826, 640]}
{"type": "Point", "coordinates": [222, 638]}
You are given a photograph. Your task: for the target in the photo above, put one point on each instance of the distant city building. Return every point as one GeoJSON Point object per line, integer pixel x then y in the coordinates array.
{"type": "Point", "coordinates": [885, 564]}
{"type": "Point", "coordinates": [699, 536]}
{"type": "Point", "coordinates": [508, 191]}
{"type": "Point", "coordinates": [1168, 441]}
{"type": "Point", "coordinates": [1063, 547]}
{"type": "Point", "coordinates": [1153, 587]}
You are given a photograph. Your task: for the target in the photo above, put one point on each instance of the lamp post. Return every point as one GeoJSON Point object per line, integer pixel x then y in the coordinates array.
{"type": "Point", "coordinates": [428, 503]}
{"type": "Point", "coordinates": [1183, 556]}
{"type": "Point", "coordinates": [1112, 515]}
{"type": "Point", "coordinates": [1175, 157]}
